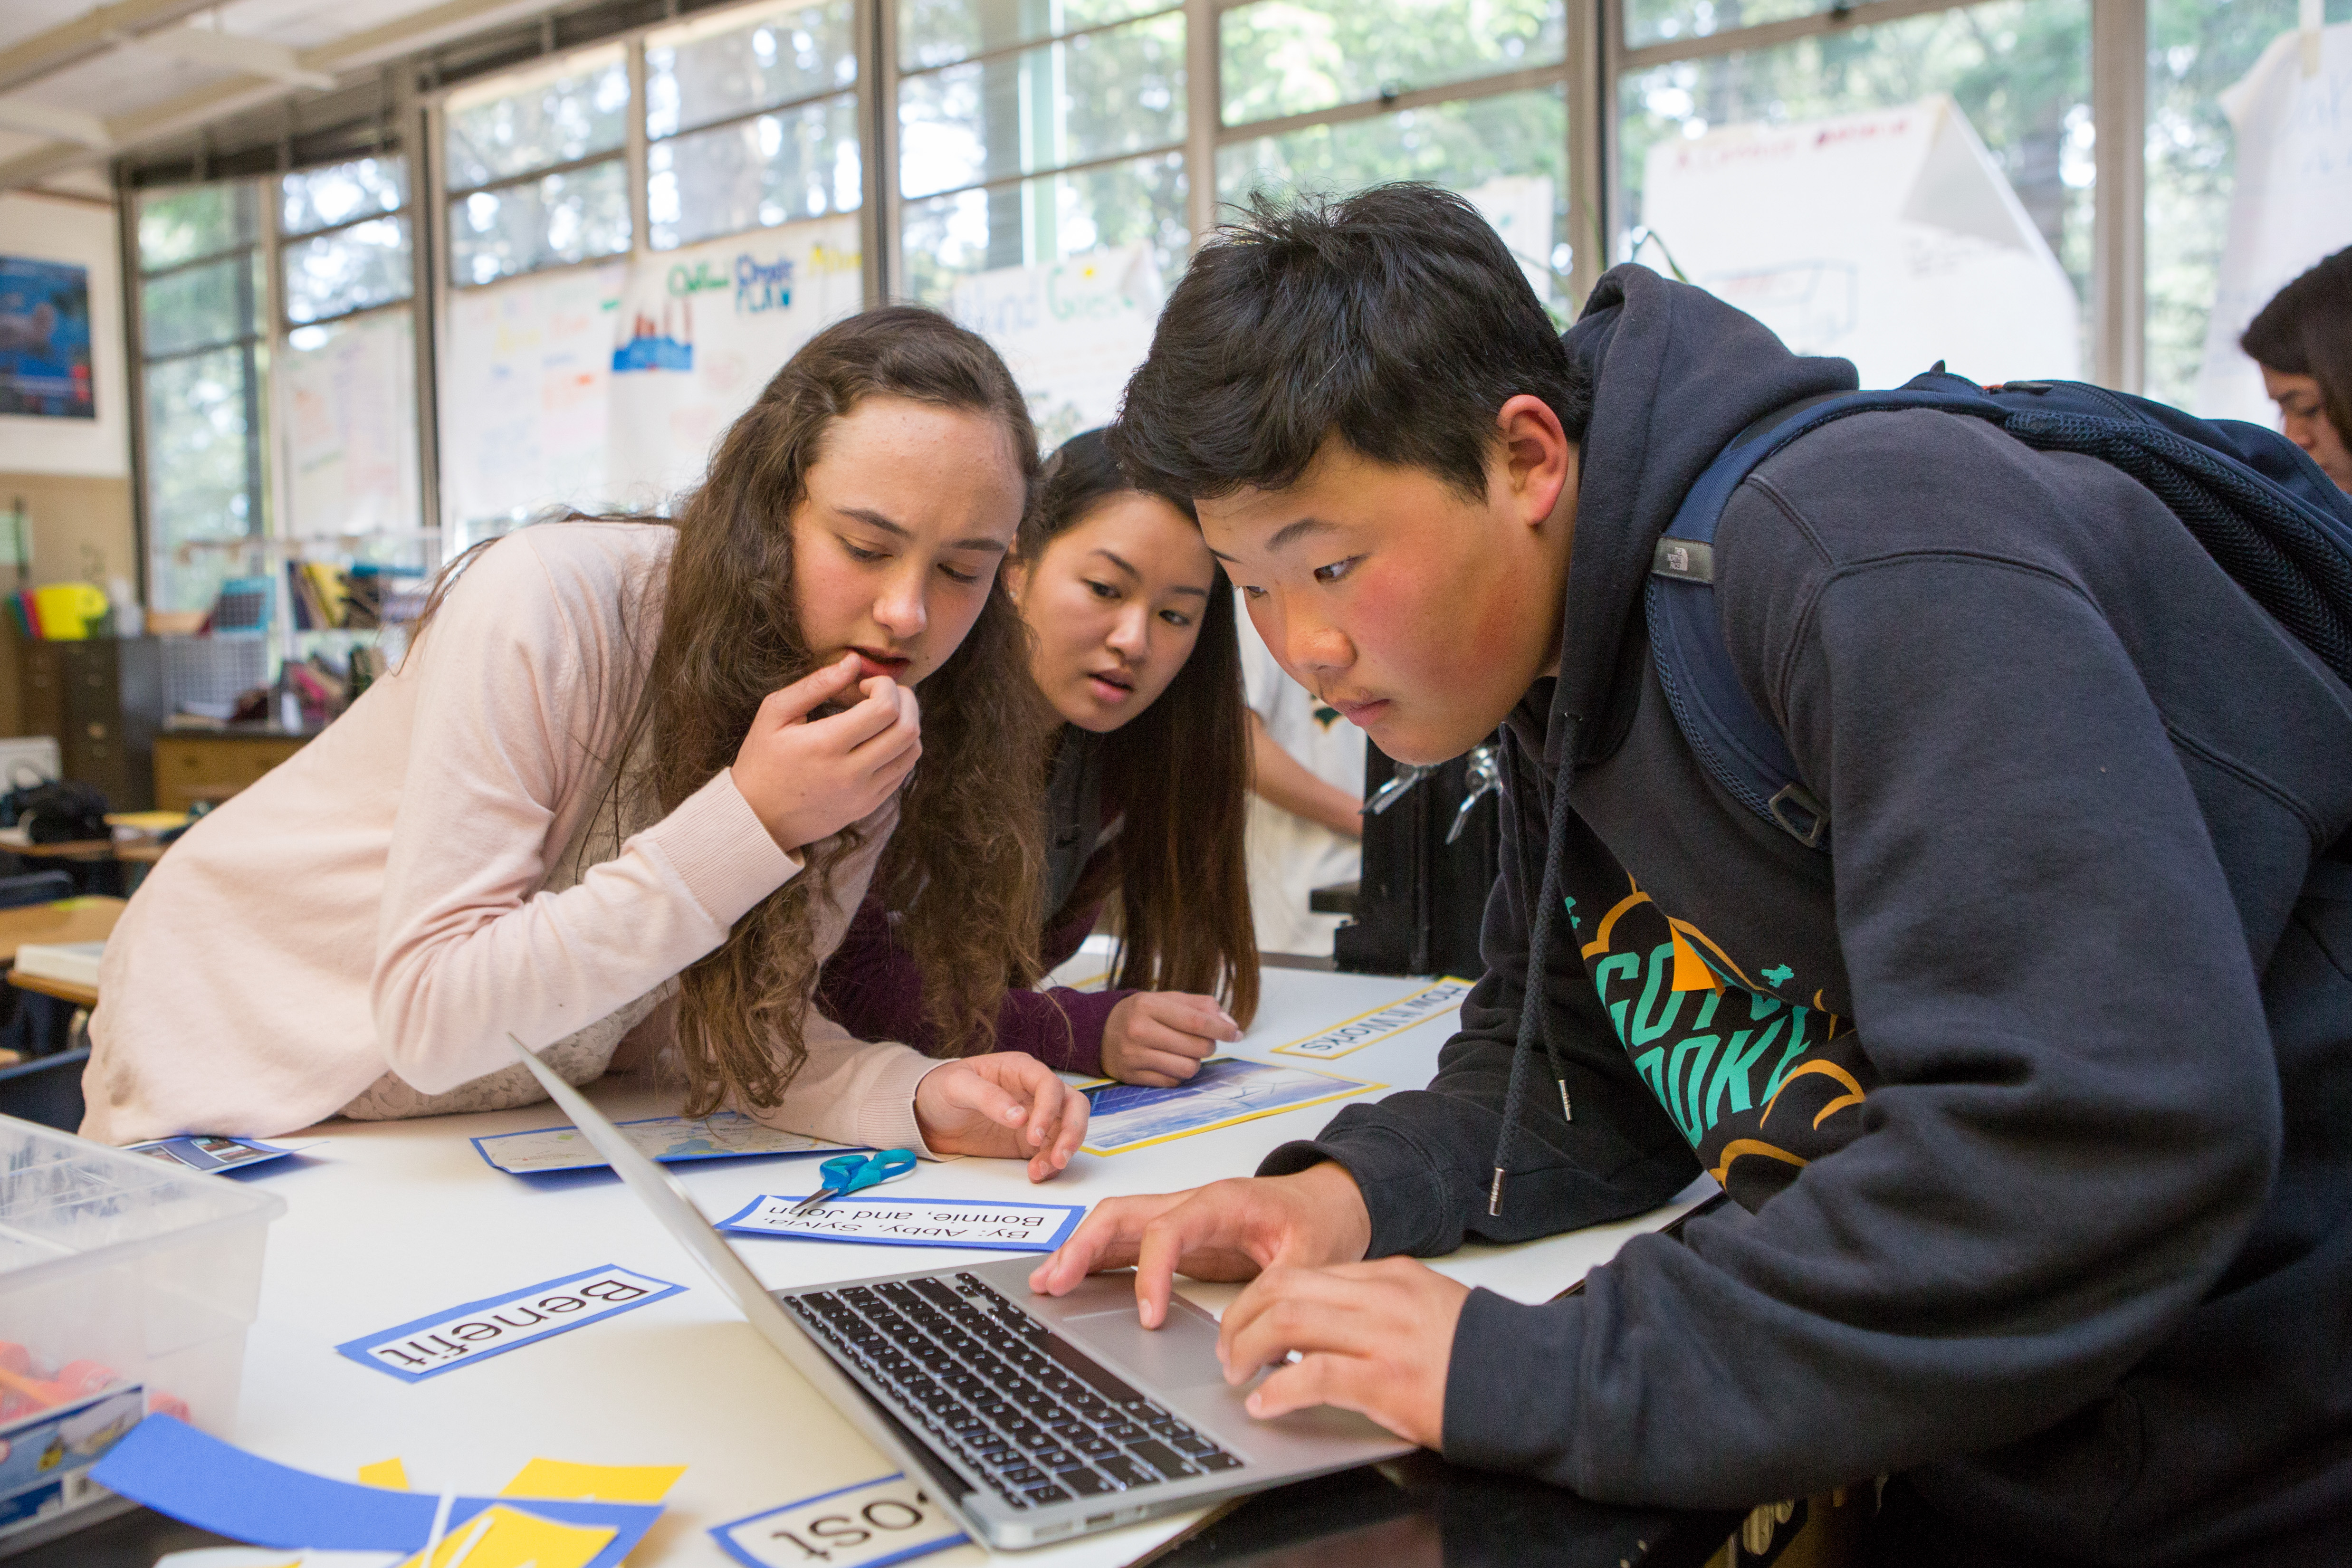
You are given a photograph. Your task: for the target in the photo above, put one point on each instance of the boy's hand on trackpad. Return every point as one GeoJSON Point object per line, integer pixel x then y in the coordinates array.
{"type": "Point", "coordinates": [1228, 1230]}
{"type": "Point", "coordinates": [1374, 1337]}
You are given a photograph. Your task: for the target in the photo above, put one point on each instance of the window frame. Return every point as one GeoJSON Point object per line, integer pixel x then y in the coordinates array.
{"type": "Point", "coordinates": [260, 474]}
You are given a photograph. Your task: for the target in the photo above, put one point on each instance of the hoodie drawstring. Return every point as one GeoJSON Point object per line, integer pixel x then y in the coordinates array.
{"type": "Point", "coordinates": [1534, 1020]}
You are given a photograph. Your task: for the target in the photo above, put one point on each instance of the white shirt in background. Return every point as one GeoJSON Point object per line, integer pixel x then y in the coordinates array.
{"type": "Point", "coordinates": [1290, 856]}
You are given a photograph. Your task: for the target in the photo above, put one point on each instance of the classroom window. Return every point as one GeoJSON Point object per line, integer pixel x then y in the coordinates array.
{"type": "Point", "coordinates": [1308, 86]}
{"type": "Point", "coordinates": [1895, 192]}
{"type": "Point", "coordinates": [346, 371]}
{"type": "Point", "coordinates": [203, 289]}
{"type": "Point", "coordinates": [1285, 56]}
{"type": "Point", "coordinates": [1505, 153]}
{"type": "Point", "coordinates": [536, 173]}
{"type": "Point", "coordinates": [752, 122]}
{"type": "Point", "coordinates": [1035, 130]}
{"type": "Point", "coordinates": [346, 238]}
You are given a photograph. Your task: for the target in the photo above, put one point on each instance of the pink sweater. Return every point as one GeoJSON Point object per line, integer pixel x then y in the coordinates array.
{"type": "Point", "coordinates": [380, 903]}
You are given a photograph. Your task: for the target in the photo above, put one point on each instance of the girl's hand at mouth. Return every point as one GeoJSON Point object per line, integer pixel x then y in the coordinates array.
{"type": "Point", "coordinates": [808, 778]}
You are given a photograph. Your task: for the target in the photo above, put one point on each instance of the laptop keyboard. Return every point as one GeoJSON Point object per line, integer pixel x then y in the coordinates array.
{"type": "Point", "coordinates": [1041, 1420]}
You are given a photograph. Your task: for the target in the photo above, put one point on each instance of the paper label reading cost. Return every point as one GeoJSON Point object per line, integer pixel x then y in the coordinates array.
{"type": "Point", "coordinates": [863, 1526]}
{"type": "Point", "coordinates": [912, 1221]}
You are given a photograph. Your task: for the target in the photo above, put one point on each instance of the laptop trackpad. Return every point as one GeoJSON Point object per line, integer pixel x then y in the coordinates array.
{"type": "Point", "coordinates": [1182, 1354]}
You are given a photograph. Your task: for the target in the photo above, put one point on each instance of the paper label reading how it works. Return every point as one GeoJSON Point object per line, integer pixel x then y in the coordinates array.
{"type": "Point", "coordinates": [1382, 1022]}
{"type": "Point", "coordinates": [864, 1526]}
{"type": "Point", "coordinates": [912, 1221]}
{"type": "Point", "coordinates": [478, 1329]}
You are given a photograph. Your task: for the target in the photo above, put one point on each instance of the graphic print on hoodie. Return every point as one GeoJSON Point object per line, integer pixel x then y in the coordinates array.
{"type": "Point", "coordinates": [1722, 1053]}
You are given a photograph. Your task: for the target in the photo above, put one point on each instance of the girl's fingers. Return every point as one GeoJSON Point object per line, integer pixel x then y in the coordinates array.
{"type": "Point", "coordinates": [810, 692]}
{"type": "Point", "coordinates": [1159, 1069]}
{"type": "Point", "coordinates": [971, 1091]}
{"type": "Point", "coordinates": [1197, 1015]}
{"type": "Point", "coordinates": [856, 725]}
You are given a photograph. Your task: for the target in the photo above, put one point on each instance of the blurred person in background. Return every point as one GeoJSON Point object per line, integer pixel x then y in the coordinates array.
{"type": "Point", "coordinates": [1306, 783]}
{"type": "Point", "coordinates": [2303, 341]}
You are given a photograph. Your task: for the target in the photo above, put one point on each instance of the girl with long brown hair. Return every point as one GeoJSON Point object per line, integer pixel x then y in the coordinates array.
{"type": "Point", "coordinates": [623, 792]}
{"type": "Point", "coordinates": [1133, 645]}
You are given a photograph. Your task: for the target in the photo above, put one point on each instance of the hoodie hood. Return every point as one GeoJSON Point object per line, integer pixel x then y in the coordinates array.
{"type": "Point", "coordinates": [1675, 374]}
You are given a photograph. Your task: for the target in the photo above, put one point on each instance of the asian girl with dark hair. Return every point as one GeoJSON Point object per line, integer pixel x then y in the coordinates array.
{"type": "Point", "coordinates": [1132, 643]}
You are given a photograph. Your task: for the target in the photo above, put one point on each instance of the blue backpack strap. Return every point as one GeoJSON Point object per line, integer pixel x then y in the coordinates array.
{"type": "Point", "coordinates": [2256, 502]}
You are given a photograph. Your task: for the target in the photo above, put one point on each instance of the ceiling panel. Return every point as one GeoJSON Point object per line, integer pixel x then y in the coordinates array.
{"type": "Point", "coordinates": [20, 19]}
{"type": "Point", "coordinates": [121, 81]}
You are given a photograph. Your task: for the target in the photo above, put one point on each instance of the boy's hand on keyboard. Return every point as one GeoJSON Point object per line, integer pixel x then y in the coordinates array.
{"type": "Point", "coordinates": [1004, 1104]}
{"type": "Point", "coordinates": [1226, 1230]}
{"type": "Point", "coordinates": [1374, 1337]}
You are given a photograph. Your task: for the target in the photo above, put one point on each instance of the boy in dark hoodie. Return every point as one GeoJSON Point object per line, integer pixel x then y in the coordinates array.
{"type": "Point", "coordinates": [2033, 1095]}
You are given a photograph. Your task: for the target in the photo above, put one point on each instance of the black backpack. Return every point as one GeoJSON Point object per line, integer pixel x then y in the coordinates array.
{"type": "Point", "coordinates": [62, 812]}
{"type": "Point", "coordinates": [2253, 498]}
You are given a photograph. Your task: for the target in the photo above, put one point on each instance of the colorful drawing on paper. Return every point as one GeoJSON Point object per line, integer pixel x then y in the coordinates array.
{"type": "Point", "coordinates": [912, 1222]}
{"type": "Point", "coordinates": [209, 1154]}
{"type": "Point", "coordinates": [1226, 1091]}
{"type": "Point", "coordinates": [44, 339]}
{"type": "Point", "coordinates": [729, 1135]}
{"type": "Point", "coordinates": [1394, 1018]}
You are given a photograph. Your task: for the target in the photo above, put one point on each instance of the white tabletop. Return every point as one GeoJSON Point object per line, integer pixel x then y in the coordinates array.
{"type": "Point", "coordinates": [387, 1222]}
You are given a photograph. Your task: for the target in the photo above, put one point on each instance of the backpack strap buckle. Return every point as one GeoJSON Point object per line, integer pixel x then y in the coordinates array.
{"type": "Point", "coordinates": [1797, 813]}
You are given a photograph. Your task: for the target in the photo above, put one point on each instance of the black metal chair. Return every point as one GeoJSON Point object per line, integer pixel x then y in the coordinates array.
{"type": "Point", "coordinates": [32, 1024]}
{"type": "Point", "coordinates": [47, 1091]}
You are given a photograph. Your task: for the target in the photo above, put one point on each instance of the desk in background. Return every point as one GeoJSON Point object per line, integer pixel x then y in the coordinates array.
{"type": "Point", "coordinates": [65, 921]}
{"type": "Point", "coordinates": [194, 765]}
{"type": "Point", "coordinates": [390, 1221]}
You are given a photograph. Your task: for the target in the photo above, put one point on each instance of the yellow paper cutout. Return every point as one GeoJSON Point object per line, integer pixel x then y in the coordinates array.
{"type": "Point", "coordinates": [513, 1539]}
{"type": "Point", "coordinates": [567, 1482]}
{"type": "Point", "coordinates": [390, 1474]}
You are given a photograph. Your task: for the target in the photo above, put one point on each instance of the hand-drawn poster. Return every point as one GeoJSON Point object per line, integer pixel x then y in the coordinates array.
{"type": "Point", "coordinates": [44, 339]}
{"type": "Point", "coordinates": [1890, 238]}
{"type": "Point", "coordinates": [700, 330]}
{"type": "Point", "coordinates": [1071, 332]}
{"type": "Point", "coordinates": [605, 388]}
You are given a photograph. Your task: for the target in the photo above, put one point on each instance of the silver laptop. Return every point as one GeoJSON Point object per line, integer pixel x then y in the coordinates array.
{"type": "Point", "coordinates": [1034, 1418]}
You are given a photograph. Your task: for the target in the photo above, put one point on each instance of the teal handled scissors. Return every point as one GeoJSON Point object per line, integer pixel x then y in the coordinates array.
{"type": "Point", "coordinates": [846, 1174]}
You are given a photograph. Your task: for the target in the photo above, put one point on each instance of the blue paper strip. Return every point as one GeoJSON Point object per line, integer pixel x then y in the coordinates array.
{"type": "Point", "coordinates": [812, 1229]}
{"type": "Point", "coordinates": [475, 1331]}
{"type": "Point", "coordinates": [197, 1479]}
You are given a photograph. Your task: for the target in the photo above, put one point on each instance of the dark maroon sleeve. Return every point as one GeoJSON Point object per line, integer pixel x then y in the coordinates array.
{"type": "Point", "coordinates": [872, 987]}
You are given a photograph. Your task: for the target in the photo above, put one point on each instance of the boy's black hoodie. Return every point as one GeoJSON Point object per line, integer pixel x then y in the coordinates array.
{"type": "Point", "coordinates": [2035, 1094]}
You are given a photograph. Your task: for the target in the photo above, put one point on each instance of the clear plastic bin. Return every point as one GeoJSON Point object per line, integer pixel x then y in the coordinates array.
{"type": "Point", "coordinates": [119, 1260]}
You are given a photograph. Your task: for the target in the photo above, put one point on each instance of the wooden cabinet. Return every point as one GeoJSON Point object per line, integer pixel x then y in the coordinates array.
{"type": "Point", "coordinates": [104, 701]}
{"type": "Point", "coordinates": [205, 766]}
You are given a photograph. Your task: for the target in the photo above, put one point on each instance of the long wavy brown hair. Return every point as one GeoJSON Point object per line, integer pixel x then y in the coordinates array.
{"type": "Point", "coordinates": [1180, 773]}
{"type": "Point", "coordinates": [965, 860]}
